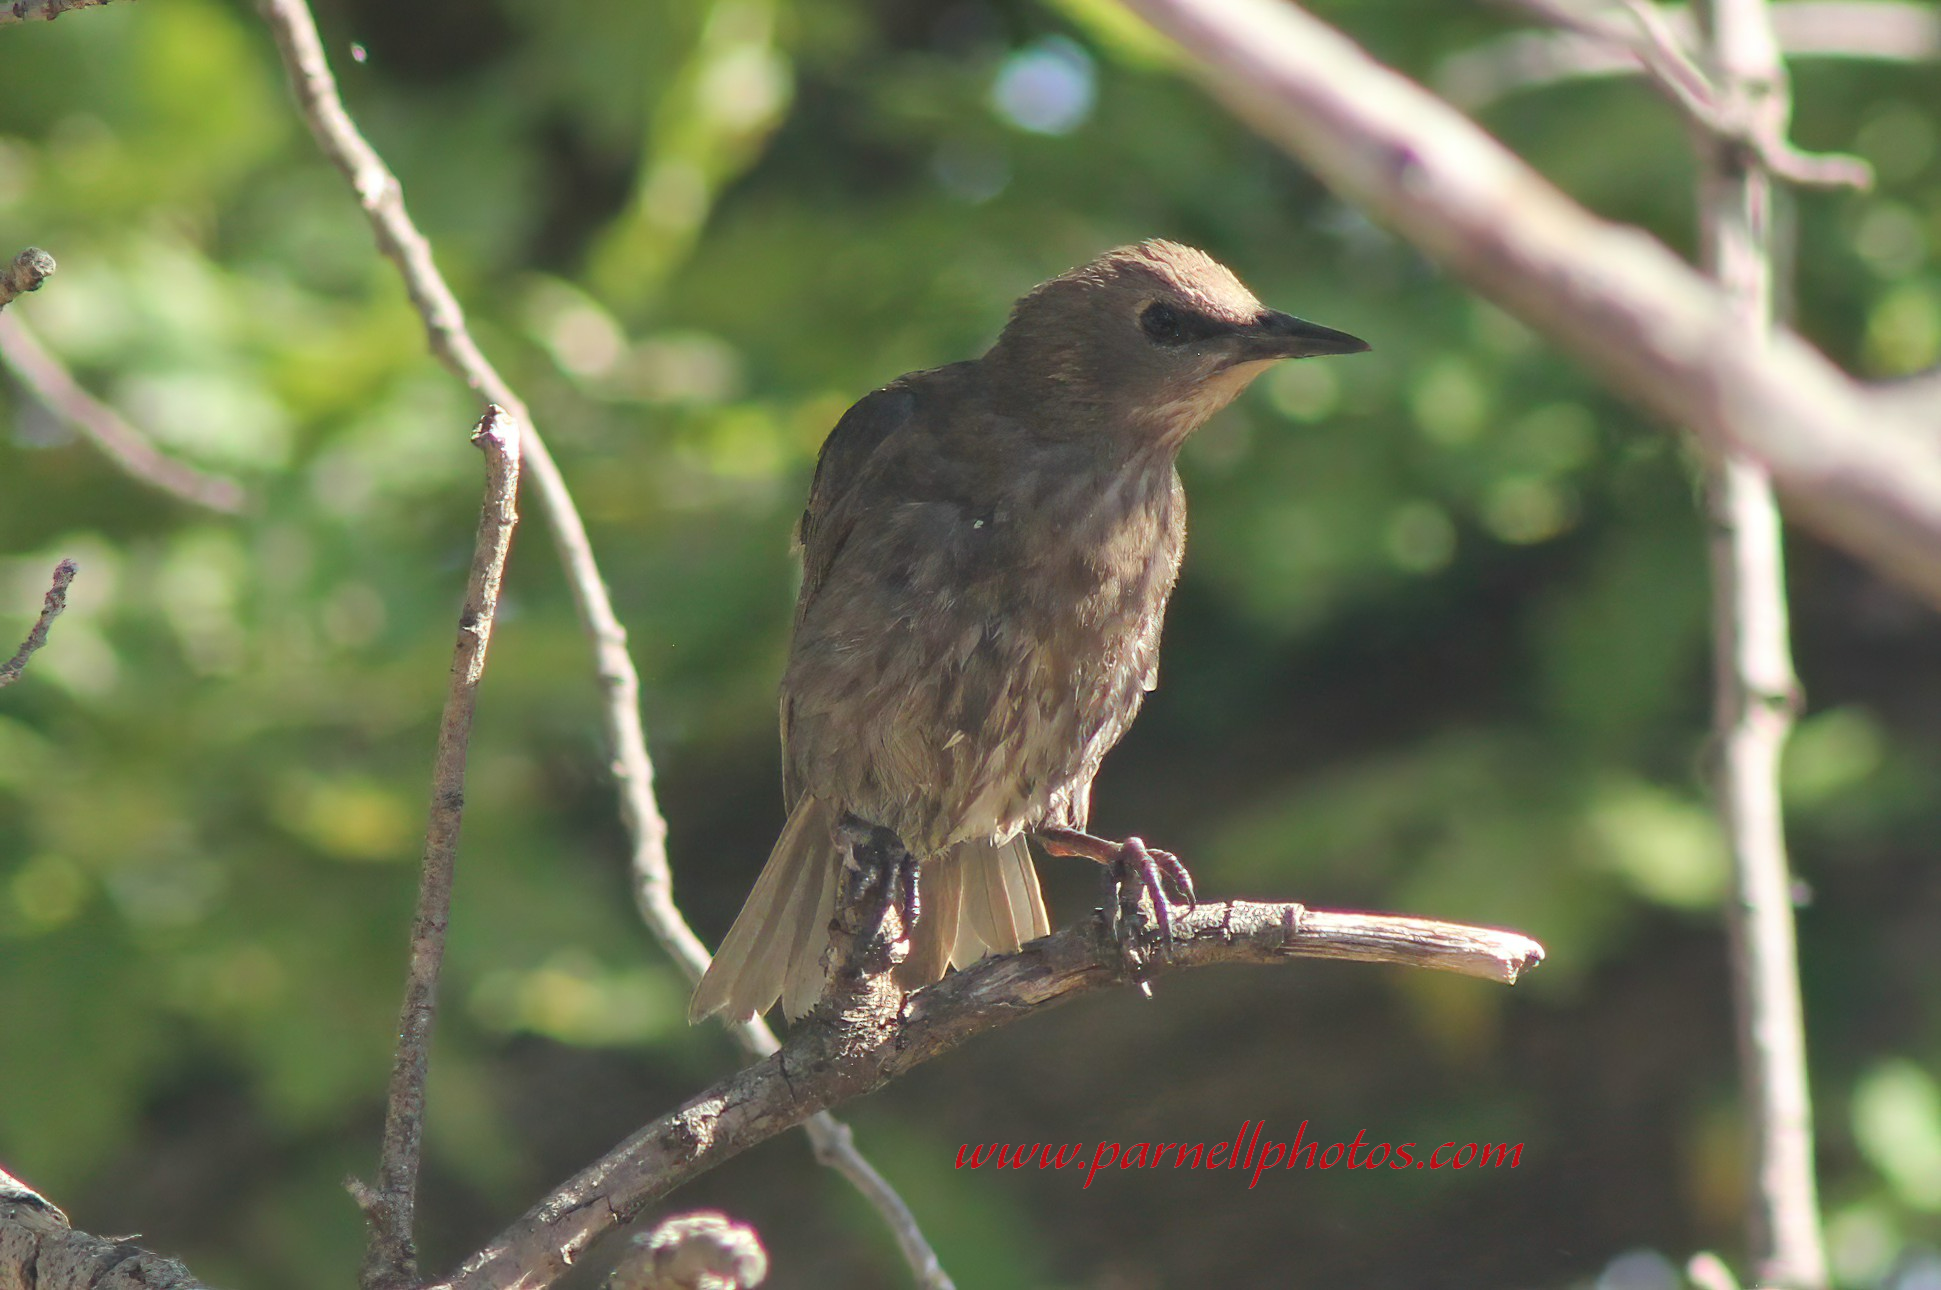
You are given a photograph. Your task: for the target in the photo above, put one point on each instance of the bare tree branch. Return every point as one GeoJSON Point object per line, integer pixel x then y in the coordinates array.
{"type": "Point", "coordinates": [1594, 45]}
{"type": "Point", "coordinates": [131, 451]}
{"type": "Point", "coordinates": [1755, 690]}
{"type": "Point", "coordinates": [382, 199]}
{"type": "Point", "coordinates": [392, 1260]}
{"type": "Point", "coordinates": [882, 1036]}
{"type": "Point", "coordinates": [40, 1251]}
{"type": "Point", "coordinates": [1851, 465]}
{"type": "Point", "coordinates": [50, 609]}
{"type": "Point", "coordinates": [25, 272]}
{"type": "Point", "coordinates": [879, 1035]}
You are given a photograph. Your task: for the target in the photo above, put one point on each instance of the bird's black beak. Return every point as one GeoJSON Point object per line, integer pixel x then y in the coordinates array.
{"type": "Point", "coordinates": [1278, 335]}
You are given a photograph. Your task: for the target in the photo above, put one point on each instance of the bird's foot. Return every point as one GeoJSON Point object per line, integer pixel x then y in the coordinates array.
{"type": "Point", "coordinates": [1135, 874]}
{"type": "Point", "coordinates": [1142, 875]}
{"type": "Point", "coordinates": [880, 876]}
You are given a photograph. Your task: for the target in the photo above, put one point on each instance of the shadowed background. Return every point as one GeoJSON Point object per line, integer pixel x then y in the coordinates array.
{"type": "Point", "coordinates": [1439, 647]}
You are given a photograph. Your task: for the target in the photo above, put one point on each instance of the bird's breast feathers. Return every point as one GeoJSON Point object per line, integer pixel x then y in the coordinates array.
{"type": "Point", "coordinates": [964, 662]}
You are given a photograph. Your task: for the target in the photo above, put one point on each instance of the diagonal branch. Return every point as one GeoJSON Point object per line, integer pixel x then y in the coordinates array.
{"type": "Point", "coordinates": [1860, 469]}
{"type": "Point", "coordinates": [51, 606]}
{"type": "Point", "coordinates": [393, 1259]}
{"type": "Point", "coordinates": [131, 451]}
{"type": "Point", "coordinates": [826, 1063]}
{"type": "Point", "coordinates": [382, 199]}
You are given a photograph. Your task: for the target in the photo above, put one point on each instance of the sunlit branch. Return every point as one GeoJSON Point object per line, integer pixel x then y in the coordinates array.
{"type": "Point", "coordinates": [884, 1035]}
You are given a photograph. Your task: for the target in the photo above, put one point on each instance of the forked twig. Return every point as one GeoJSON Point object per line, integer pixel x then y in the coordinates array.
{"type": "Point", "coordinates": [1881, 30]}
{"type": "Point", "coordinates": [1748, 115]}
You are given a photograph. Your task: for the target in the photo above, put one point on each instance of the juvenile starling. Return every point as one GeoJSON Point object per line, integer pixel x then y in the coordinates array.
{"type": "Point", "coordinates": [987, 552]}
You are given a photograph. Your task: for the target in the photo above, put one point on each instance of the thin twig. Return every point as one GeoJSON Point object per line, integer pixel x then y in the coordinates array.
{"type": "Point", "coordinates": [382, 199]}
{"type": "Point", "coordinates": [25, 272]}
{"type": "Point", "coordinates": [1590, 45]}
{"type": "Point", "coordinates": [824, 1064]}
{"type": "Point", "coordinates": [50, 609]}
{"type": "Point", "coordinates": [133, 452]}
{"type": "Point", "coordinates": [1655, 42]}
{"type": "Point", "coordinates": [1755, 689]}
{"type": "Point", "coordinates": [1668, 61]}
{"type": "Point", "coordinates": [392, 1260]}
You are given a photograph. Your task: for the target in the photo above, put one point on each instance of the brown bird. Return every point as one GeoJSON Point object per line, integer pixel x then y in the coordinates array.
{"type": "Point", "coordinates": [987, 553]}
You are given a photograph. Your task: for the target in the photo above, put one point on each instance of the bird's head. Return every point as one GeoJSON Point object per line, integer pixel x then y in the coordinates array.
{"type": "Point", "coordinates": [1156, 336]}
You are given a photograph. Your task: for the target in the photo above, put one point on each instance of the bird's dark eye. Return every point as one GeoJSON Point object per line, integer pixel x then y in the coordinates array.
{"type": "Point", "coordinates": [1163, 323]}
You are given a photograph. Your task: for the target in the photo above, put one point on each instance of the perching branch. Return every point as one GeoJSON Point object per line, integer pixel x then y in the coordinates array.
{"type": "Point", "coordinates": [25, 272]}
{"type": "Point", "coordinates": [133, 452]}
{"type": "Point", "coordinates": [50, 608]}
{"type": "Point", "coordinates": [882, 1034]}
{"type": "Point", "coordinates": [881, 1038]}
{"type": "Point", "coordinates": [1853, 465]}
{"type": "Point", "coordinates": [1755, 690]}
{"type": "Point", "coordinates": [382, 199]}
{"type": "Point", "coordinates": [392, 1261]}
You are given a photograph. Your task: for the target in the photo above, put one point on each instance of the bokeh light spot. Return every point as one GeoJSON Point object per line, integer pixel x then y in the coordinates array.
{"type": "Point", "coordinates": [1048, 87]}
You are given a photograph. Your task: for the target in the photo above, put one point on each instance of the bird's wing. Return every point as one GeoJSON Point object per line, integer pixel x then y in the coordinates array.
{"type": "Point", "coordinates": [841, 466]}
{"type": "Point", "coordinates": [867, 432]}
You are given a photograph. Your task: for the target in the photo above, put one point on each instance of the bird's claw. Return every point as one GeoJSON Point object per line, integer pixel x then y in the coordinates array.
{"type": "Point", "coordinates": [1140, 873]}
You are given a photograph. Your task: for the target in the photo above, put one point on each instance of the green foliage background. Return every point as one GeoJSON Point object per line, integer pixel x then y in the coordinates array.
{"type": "Point", "coordinates": [1440, 646]}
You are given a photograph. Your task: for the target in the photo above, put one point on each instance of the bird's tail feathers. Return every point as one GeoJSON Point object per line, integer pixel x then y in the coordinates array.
{"type": "Point", "coordinates": [775, 948]}
{"type": "Point", "coordinates": [977, 899]}
{"type": "Point", "coordinates": [1002, 905]}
